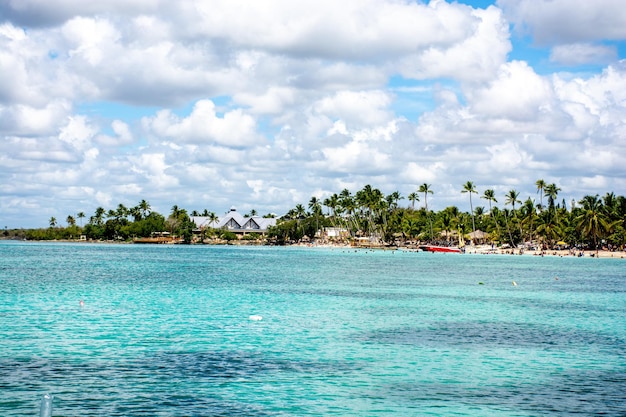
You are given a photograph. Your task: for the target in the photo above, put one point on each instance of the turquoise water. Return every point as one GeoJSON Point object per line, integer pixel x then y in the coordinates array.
{"type": "Point", "coordinates": [166, 331]}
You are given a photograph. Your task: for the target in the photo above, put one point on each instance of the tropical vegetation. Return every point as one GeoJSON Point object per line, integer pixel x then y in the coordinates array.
{"type": "Point", "coordinates": [592, 222]}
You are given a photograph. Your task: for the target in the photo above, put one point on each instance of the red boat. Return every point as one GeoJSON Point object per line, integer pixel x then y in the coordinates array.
{"type": "Point", "coordinates": [446, 249]}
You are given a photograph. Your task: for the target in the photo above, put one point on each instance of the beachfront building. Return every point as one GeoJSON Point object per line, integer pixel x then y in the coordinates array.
{"type": "Point", "coordinates": [335, 233]}
{"type": "Point", "coordinates": [236, 223]}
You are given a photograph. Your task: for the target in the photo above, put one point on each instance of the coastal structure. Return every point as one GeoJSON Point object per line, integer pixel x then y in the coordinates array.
{"type": "Point", "coordinates": [236, 223]}
{"type": "Point", "coordinates": [156, 237]}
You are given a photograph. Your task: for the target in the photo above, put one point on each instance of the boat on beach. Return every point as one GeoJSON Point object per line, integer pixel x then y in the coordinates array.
{"type": "Point", "coordinates": [443, 249]}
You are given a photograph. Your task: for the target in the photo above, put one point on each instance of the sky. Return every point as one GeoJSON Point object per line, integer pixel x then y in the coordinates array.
{"type": "Point", "coordinates": [263, 104]}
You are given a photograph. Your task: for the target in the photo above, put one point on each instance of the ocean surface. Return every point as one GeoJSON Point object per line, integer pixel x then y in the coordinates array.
{"type": "Point", "coordinates": [287, 331]}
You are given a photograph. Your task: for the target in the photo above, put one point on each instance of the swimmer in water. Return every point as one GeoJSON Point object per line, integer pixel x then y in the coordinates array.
{"type": "Point", "coordinates": [82, 303]}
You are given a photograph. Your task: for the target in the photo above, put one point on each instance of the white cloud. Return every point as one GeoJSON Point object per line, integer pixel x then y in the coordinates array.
{"type": "Point", "coordinates": [517, 93]}
{"type": "Point", "coordinates": [582, 53]}
{"type": "Point", "coordinates": [154, 167]}
{"type": "Point", "coordinates": [425, 172]}
{"type": "Point", "coordinates": [567, 21]}
{"type": "Point", "coordinates": [507, 158]}
{"type": "Point", "coordinates": [274, 101]}
{"type": "Point", "coordinates": [350, 29]}
{"type": "Point", "coordinates": [204, 125]}
{"type": "Point", "coordinates": [77, 133]}
{"type": "Point", "coordinates": [43, 13]}
{"type": "Point", "coordinates": [123, 135]}
{"type": "Point", "coordinates": [359, 108]}
{"type": "Point", "coordinates": [23, 119]}
{"type": "Point", "coordinates": [476, 57]}
{"type": "Point", "coordinates": [89, 37]}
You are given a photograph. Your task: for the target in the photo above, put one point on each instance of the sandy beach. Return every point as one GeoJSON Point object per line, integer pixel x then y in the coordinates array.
{"type": "Point", "coordinates": [483, 249]}
{"type": "Point", "coordinates": [487, 250]}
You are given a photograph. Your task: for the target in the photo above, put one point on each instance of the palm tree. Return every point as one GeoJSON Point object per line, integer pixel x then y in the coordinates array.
{"type": "Point", "coordinates": [300, 211]}
{"type": "Point", "coordinates": [551, 191]}
{"type": "Point", "coordinates": [144, 207]}
{"type": "Point", "coordinates": [506, 213]}
{"type": "Point", "coordinates": [512, 198]}
{"type": "Point", "coordinates": [447, 219]}
{"type": "Point", "coordinates": [348, 206]}
{"type": "Point", "coordinates": [332, 203]}
{"type": "Point", "coordinates": [52, 221]}
{"type": "Point", "coordinates": [369, 199]}
{"type": "Point", "coordinates": [549, 229]}
{"type": "Point", "coordinates": [413, 197]}
{"type": "Point", "coordinates": [81, 216]}
{"type": "Point", "coordinates": [528, 213]}
{"type": "Point", "coordinates": [316, 208]}
{"type": "Point", "coordinates": [410, 227]}
{"type": "Point", "coordinates": [470, 188]}
{"type": "Point", "coordinates": [70, 220]}
{"type": "Point", "coordinates": [121, 212]}
{"type": "Point", "coordinates": [610, 205]}
{"type": "Point", "coordinates": [99, 216]}
{"type": "Point", "coordinates": [425, 188]}
{"type": "Point", "coordinates": [394, 197]}
{"type": "Point", "coordinates": [213, 218]}
{"type": "Point", "coordinates": [135, 212]}
{"type": "Point", "coordinates": [541, 186]}
{"type": "Point", "coordinates": [592, 221]}
{"type": "Point", "coordinates": [490, 196]}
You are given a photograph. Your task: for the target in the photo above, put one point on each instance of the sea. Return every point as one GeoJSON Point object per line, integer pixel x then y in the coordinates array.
{"type": "Point", "coordinates": [176, 330]}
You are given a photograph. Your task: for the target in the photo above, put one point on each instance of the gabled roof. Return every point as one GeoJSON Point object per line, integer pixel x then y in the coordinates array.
{"type": "Point", "coordinates": [201, 221]}
{"type": "Point", "coordinates": [235, 221]}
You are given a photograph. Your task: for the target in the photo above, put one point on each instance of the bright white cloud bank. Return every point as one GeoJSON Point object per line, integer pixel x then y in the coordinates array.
{"type": "Point", "coordinates": [265, 104]}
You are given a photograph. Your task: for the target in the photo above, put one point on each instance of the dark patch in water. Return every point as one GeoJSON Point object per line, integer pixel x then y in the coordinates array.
{"type": "Point", "coordinates": [162, 384]}
{"type": "Point", "coordinates": [576, 392]}
{"type": "Point", "coordinates": [228, 364]}
{"type": "Point", "coordinates": [494, 334]}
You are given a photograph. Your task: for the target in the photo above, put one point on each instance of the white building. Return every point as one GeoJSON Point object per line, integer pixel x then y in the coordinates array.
{"type": "Point", "coordinates": [236, 223]}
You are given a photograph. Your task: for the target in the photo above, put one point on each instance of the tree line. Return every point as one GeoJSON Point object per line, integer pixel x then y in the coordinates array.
{"type": "Point", "coordinates": [126, 223]}
{"type": "Point", "coordinates": [591, 222]}
{"type": "Point", "coordinates": [119, 224]}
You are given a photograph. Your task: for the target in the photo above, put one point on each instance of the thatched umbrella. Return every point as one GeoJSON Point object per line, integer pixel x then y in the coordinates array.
{"type": "Point", "coordinates": [478, 235]}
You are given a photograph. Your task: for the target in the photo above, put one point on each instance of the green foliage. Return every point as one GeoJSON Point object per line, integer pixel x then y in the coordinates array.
{"type": "Point", "coordinates": [54, 233]}
{"type": "Point", "coordinates": [145, 227]}
{"type": "Point", "coordinates": [228, 235]}
{"type": "Point", "coordinates": [251, 236]}
{"type": "Point", "coordinates": [286, 231]}
{"type": "Point", "coordinates": [595, 222]}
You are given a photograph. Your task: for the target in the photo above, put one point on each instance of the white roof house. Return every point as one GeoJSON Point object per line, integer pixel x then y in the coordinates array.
{"type": "Point", "coordinates": [235, 222]}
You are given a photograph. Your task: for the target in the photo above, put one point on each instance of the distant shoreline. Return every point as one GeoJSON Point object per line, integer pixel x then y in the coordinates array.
{"type": "Point", "coordinates": [473, 250]}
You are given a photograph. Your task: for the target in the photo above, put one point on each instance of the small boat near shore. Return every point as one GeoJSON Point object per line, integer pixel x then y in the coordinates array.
{"type": "Point", "coordinates": [442, 249]}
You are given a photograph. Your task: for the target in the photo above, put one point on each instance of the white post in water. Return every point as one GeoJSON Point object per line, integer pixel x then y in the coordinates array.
{"type": "Point", "coordinates": [46, 406]}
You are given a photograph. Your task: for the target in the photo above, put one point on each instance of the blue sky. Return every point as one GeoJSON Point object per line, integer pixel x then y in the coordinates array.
{"type": "Point", "coordinates": [208, 106]}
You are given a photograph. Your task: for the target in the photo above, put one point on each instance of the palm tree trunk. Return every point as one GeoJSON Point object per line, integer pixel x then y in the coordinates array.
{"type": "Point", "coordinates": [506, 219]}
